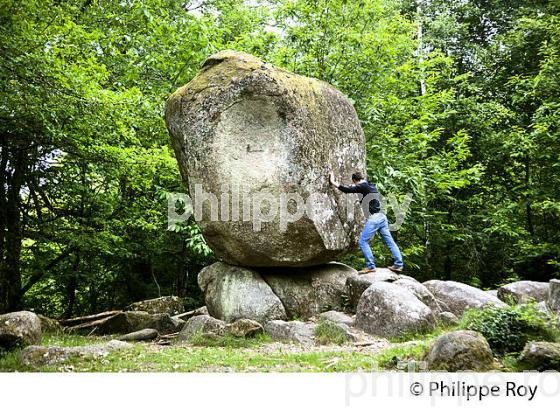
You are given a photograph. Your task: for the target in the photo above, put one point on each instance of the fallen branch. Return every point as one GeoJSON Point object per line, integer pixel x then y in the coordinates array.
{"type": "Point", "coordinates": [83, 319]}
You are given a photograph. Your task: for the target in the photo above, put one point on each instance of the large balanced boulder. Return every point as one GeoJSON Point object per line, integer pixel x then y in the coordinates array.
{"type": "Point", "coordinates": [458, 297]}
{"type": "Point", "coordinates": [306, 292]}
{"type": "Point", "coordinates": [172, 305]}
{"type": "Point", "coordinates": [232, 292]}
{"type": "Point", "coordinates": [523, 291]}
{"type": "Point", "coordinates": [19, 329]}
{"type": "Point", "coordinates": [389, 310]}
{"type": "Point", "coordinates": [247, 129]}
{"type": "Point", "coordinates": [459, 351]}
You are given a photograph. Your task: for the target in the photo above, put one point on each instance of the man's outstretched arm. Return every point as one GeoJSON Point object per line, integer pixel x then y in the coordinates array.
{"type": "Point", "coordinates": [348, 189]}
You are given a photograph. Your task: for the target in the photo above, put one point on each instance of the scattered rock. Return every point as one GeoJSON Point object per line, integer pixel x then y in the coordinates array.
{"type": "Point", "coordinates": [357, 284]}
{"type": "Point", "coordinates": [553, 302]}
{"type": "Point", "coordinates": [305, 292]}
{"type": "Point", "coordinates": [421, 292]}
{"type": "Point", "coordinates": [49, 325]}
{"type": "Point", "coordinates": [386, 310]}
{"type": "Point", "coordinates": [541, 356]}
{"type": "Point", "coordinates": [447, 318]}
{"type": "Point", "coordinates": [37, 356]}
{"type": "Point", "coordinates": [459, 351]}
{"type": "Point", "coordinates": [295, 331]}
{"type": "Point", "coordinates": [339, 328]}
{"type": "Point", "coordinates": [338, 317]}
{"type": "Point", "coordinates": [204, 325]}
{"type": "Point", "coordinates": [243, 121]}
{"type": "Point", "coordinates": [166, 324]}
{"type": "Point", "coordinates": [233, 292]}
{"type": "Point", "coordinates": [125, 322]}
{"type": "Point", "coordinates": [459, 297]}
{"type": "Point", "coordinates": [140, 335]}
{"type": "Point", "coordinates": [541, 307]}
{"type": "Point", "coordinates": [171, 305]}
{"type": "Point", "coordinates": [523, 291]}
{"type": "Point", "coordinates": [245, 328]}
{"type": "Point", "coordinates": [19, 329]}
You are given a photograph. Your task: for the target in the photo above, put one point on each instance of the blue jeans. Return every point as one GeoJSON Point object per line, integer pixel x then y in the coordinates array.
{"type": "Point", "coordinates": [378, 222]}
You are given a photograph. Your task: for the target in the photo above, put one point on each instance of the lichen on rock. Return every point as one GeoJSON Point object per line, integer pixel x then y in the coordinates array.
{"type": "Point", "coordinates": [244, 128]}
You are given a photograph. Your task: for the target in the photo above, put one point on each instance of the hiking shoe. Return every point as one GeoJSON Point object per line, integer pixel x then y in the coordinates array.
{"type": "Point", "coordinates": [395, 268]}
{"type": "Point", "coordinates": [366, 270]}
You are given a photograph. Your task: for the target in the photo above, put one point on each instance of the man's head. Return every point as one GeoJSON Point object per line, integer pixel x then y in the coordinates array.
{"type": "Point", "coordinates": [357, 177]}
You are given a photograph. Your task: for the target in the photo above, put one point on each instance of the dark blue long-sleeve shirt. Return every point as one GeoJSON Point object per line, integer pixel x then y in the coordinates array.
{"type": "Point", "coordinates": [369, 199]}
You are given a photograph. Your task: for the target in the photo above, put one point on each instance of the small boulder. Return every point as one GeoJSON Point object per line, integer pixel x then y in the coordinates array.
{"type": "Point", "coordinates": [140, 335]}
{"type": "Point", "coordinates": [540, 356]}
{"type": "Point", "coordinates": [172, 305]}
{"type": "Point", "coordinates": [493, 292]}
{"type": "Point", "coordinates": [337, 317]}
{"type": "Point", "coordinates": [553, 301]}
{"type": "Point", "coordinates": [294, 331]}
{"type": "Point", "coordinates": [204, 325]}
{"type": "Point", "coordinates": [19, 329]}
{"type": "Point", "coordinates": [421, 292]}
{"type": "Point", "coordinates": [232, 292]}
{"type": "Point", "coordinates": [166, 324]}
{"type": "Point", "coordinates": [327, 332]}
{"type": "Point", "coordinates": [462, 350]}
{"type": "Point", "coordinates": [125, 322]}
{"type": "Point", "coordinates": [458, 297]}
{"type": "Point", "coordinates": [49, 325]}
{"type": "Point", "coordinates": [36, 356]}
{"type": "Point", "coordinates": [387, 310]}
{"type": "Point", "coordinates": [523, 291]}
{"type": "Point", "coordinates": [306, 292]}
{"type": "Point", "coordinates": [245, 328]}
{"type": "Point", "coordinates": [357, 284]}
{"type": "Point", "coordinates": [541, 307]}
{"type": "Point", "coordinates": [447, 318]}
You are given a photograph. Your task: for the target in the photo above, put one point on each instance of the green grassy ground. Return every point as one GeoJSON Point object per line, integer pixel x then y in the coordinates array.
{"type": "Point", "coordinates": [225, 355]}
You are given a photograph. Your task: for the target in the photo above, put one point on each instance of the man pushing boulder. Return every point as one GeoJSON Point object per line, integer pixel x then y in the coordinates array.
{"type": "Point", "coordinates": [375, 221]}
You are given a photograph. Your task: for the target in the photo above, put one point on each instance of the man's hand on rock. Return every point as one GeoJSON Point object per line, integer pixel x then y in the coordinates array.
{"type": "Point", "coordinates": [331, 179]}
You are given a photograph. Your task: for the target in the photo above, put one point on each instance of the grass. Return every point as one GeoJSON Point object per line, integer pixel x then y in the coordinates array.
{"type": "Point", "coordinates": [228, 340]}
{"type": "Point", "coordinates": [403, 357]}
{"type": "Point", "coordinates": [227, 354]}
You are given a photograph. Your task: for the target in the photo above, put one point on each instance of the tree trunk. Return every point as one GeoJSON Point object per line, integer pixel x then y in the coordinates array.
{"type": "Point", "coordinates": [10, 272]}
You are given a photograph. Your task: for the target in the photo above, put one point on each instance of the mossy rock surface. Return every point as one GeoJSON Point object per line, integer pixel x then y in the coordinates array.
{"type": "Point", "coordinates": [245, 128]}
{"type": "Point", "coordinates": [463, 350]}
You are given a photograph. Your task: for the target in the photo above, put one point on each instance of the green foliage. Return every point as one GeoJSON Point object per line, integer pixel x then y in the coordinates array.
{"type": "Point", "coordinates": [465, 118]}
{"type": "Point", "coordinates": [406, 356]}
{"type": "Point", "coordinates": [327, 332]}
{"type": "Point", "coordinates": [508, 329]}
